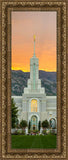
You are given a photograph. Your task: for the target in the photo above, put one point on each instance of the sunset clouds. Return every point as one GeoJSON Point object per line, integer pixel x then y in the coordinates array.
{"type": "Point", "coordinates": [24, 26]}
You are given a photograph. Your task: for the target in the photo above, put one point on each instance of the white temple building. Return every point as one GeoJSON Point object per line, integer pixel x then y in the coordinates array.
{"type": "Point", "coordinates": [34, 105]}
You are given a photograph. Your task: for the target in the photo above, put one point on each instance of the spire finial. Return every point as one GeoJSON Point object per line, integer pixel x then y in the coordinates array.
{"type": "Point", "coordinates": [34, 45]}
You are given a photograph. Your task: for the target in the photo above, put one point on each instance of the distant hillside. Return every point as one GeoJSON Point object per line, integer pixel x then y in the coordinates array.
{"type": "Point", "coordinates": [19, 81]}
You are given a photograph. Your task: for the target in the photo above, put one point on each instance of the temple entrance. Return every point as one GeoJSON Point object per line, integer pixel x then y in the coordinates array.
{"type": "Point", "coordinates": [34, 123]}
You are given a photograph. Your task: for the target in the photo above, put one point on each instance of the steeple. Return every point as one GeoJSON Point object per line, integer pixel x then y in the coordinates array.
{"type": "Point", "coordinates": [34, 46]}
{"type": "Point", "coordinates": [34, 63]}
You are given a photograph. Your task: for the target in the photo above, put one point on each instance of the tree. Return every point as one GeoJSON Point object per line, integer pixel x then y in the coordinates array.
{"type": "Point", "coordinates": [45, 124]}
{"type": "Point", "coordinates": [39, 125]}
{"type": "Point", "coordinates": [29, 124]}
{"type": "Point", "coordinates": [23, 124]}
{"type": "Point", "coordinates": [14, 114]}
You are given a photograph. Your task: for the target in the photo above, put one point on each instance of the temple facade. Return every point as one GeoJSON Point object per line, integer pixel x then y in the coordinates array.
{"type": "Point", "coordinates": [34, 105]}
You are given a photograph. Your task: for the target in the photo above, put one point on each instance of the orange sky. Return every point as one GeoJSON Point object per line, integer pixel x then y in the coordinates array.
{"type": "Point", "coordinates": [24, 26]}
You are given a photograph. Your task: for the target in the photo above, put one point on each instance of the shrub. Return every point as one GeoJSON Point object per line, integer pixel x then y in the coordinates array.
{"type": "Point", "coordinates": [19, 131]}
{"type": "Point", "coordinates": [44, 131]}
{"type": "Point", "coordinates": [47, 131]}
{"type": "Point", "coordinates": [35, 131]}
{"type": "Point", "coordinates": [23, 132]}
{"type": "Point", "coordinates": [23, 124]}
{"type": "Point", "coordinates": [29, 131]}
{"type": "Point", "coordinates": [45, 124]}
{"type": "Point", "coordinates": [16, 132]}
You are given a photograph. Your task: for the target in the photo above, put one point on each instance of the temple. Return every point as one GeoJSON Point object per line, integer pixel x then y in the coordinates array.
{"type": "Point", "coordinates": [34, 105]}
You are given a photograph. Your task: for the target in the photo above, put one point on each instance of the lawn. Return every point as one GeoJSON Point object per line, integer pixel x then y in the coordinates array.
{"type": "Point", "coordinates": [33, 141]}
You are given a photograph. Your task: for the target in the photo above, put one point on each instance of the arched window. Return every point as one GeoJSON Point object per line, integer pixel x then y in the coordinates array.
{"type": "Point", "coordinates": [52, 123]}
{"type": "Point", "coordinates": [34, 105]}
{"type": "Point", "coordinates": [34, 123]}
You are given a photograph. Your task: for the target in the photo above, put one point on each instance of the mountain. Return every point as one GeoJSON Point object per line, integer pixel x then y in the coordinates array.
{"type": "Point", "coordinates": [19, 81]}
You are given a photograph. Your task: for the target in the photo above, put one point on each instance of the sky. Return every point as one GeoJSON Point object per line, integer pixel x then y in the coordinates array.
{"type": "Point", "coordinates": [25, 25]}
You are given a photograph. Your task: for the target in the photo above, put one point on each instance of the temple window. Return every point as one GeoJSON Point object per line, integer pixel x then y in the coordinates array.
{"type": "Point", "coordinates": [34, 105]}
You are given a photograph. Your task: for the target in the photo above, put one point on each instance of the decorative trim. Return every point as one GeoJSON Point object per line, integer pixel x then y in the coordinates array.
{"type": "Point", "coordinates": [7, 8]}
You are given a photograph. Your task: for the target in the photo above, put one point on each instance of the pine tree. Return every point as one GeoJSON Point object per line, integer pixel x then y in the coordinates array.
{"type": "Point", "coordinates": [14, 114]}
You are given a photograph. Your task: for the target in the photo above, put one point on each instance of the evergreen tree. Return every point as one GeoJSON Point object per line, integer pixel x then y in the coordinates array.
{"type": "Point", "coordinates": [23, 124]}
{"type": "Point", "coordinates": [29, 124]}
{"type": "Point", "coordinates": [45, 124]}
{"type": "Point", "coordinates": [39, 125]}
{"type": "Point", "coordinates": [14, 112]}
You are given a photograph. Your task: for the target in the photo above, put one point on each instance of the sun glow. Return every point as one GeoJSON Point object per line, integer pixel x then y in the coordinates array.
{"type": "Point", "coordinates": [23, 41]}
{"type": "Point", "coordinates": [25, 70]}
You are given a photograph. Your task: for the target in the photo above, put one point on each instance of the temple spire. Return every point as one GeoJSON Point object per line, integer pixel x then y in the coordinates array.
{"type": "Point", "coordinates": [34, 46]}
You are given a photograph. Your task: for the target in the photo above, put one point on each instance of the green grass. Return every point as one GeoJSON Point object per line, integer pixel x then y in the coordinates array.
{"type": "Point", "coordinates": [28, 141]}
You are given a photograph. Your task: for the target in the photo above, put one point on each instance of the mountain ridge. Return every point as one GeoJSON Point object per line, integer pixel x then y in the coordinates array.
{"type": "Point", "coordinates": [19, 81]}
